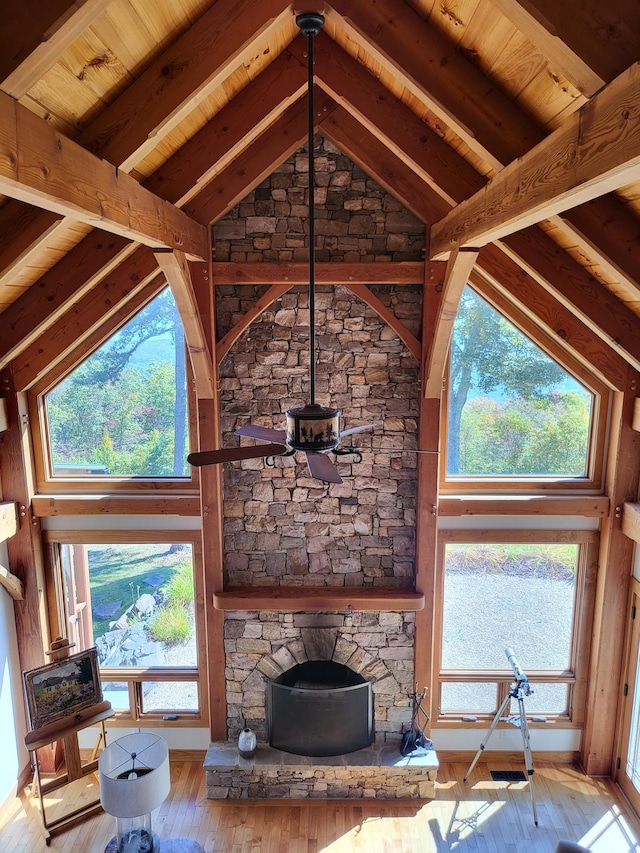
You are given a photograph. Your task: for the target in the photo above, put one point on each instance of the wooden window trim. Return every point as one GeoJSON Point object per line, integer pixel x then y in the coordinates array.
{"type": "Point", "coordinates": [47, 483]}
{"type": "Point", "coordinates": [593, 481]}
{"type": "Point", "coordinates": [576, 676]}
{"type": "Point", "coordinates": [134, 675]}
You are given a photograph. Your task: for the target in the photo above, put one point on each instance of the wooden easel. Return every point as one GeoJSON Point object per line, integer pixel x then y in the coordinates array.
{"type": "Point", "coordinates": [67, 732]}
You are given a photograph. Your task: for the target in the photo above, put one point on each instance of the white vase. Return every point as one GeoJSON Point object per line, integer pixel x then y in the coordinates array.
{"type": "Point", "coordinates": [247, 743]}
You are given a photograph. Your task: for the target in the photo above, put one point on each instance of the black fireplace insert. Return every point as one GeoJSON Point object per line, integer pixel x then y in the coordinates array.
{"type": "Point", "coordinates": [320, 708]}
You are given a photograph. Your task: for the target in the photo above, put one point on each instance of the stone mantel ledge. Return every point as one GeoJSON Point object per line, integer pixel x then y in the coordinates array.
{"type": "Point", "coordinates": [376, 772]}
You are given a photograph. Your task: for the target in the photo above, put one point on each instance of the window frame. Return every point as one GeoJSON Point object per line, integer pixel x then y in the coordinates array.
{"type": "Point", "coordinates": [46, 481]}
{"type": "Point", "coordinates": [593, 481]}
{"type": "Point", "coordinates": [135, 677]}
{"type": "Point", "coordinates": [575, 677]}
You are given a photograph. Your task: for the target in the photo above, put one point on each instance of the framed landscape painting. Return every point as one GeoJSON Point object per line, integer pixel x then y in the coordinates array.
{"type": "Point", "coordinates": [63, 688]}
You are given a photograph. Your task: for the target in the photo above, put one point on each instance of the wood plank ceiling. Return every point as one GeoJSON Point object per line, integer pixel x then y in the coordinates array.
{"type": "Point", "coordinates": [509, 126]}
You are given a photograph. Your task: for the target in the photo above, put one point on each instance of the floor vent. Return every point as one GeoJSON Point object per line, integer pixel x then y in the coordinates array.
{"type": "Point", "coordinates": [508, 776]}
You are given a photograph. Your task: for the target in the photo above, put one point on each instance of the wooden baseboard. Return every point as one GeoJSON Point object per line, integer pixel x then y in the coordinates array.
{"type": "Point", "coordinates": [496, 756]}
{"type": "Point", "coordinates": [174, 754]}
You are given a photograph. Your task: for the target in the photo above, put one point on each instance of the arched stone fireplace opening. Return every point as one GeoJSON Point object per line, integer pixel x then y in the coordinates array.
{"type": "Point", "coordinates": [320, 708]}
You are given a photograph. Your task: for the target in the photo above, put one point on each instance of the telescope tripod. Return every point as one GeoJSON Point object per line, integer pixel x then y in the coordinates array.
{"type": "Point", "coordinates": [518, 690]}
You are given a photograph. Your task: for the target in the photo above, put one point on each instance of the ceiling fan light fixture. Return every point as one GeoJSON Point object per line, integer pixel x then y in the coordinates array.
{"type": "Point", "coordinates": [313, 427]}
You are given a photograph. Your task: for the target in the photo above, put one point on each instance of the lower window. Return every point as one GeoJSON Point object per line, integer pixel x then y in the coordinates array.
{"type": "Point", "coordinates": [528, 596]}
{"type": "Point", "coordinates": [136, 603]}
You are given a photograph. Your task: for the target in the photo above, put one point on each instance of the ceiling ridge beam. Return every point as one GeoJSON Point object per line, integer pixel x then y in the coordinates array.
{"type": "Point", "coordinates": [596, 150]}
{"type": "Point", "coordinates": [406, 134]}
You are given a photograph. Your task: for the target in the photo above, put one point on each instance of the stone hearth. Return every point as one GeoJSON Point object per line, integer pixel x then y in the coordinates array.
{"type": "Point", "coordinates": [378, 772]}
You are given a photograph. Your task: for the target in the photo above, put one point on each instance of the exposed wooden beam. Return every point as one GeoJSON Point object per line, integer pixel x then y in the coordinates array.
{"type": "Point", "coordinates": [556, 270]}
{"type": "Point", "coordinates": [426, 521]}
{"type": "Point", "coordinates": [220, 41]}
{"type": "Point", "coordinates": [25, 232]}
{"type": "Point", "coordinates": [552, 316]}
{"type": "Point", "coordinates": [12, 584]}
{"type": "Point", "coordinates": [65, 283]}
{"type": "Point", "coordinates": [402, 131]}
{"type": "Point", "coordinates": [383, 165]}
{"type": "Point", "coordinates": [8, 520]}
{"type": "Point", "coordinates": [318, 599]}
{"type": "Point", "coordinates": [63, 363]}
{"type": "Point", "coordinates": [606, 231]}
{"type": "Point", "coordinates": [25, 546]}
{"type": "Point", "coordinates": [235, 126]}
{"type": "Point", "coordinates": [254, 165]}
{"type": "Point", "coordinates": [34, 35]}
{"type": "Point", "coordinates": [595, 151]}
{"type": "Point", "coordinates": [230, 131]}
{"type": "Point", "coordinates": [456, 276]}
{"type": "Point", "coordinates": [114, 504]}
{"type": "Point", "coordinates": [589, 43]}
{"type": "Point", "coordinates": [274, 292]}
{"type": "Point", "coordinates": [293, 272]}
{"type": "Point", "coordinates": [439, 75]}
{"type": "Point", "coordinates": [442, 78]}
{"type": "Point", "coordinates": [530, 505]}
{"type": "Point", "coordinates": [175, 268]}
{"type": "Point", "coordinates": [615, 561]}
{"type": "Point", "coordinates": [370, 299]}
{"type": "Point", "coordinates": [42, 167]}
{"type": "Point", "coordinates": [631, 520]}
{"type": "Point", "coordinates": [95, 257]}
{"type": "Point", "coordinates": [111, 297]}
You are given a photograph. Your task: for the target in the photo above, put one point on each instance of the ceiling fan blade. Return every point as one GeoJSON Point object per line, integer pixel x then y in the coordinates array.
{"type": "Point", "coordinates": [265, 433]}
{"type": "Point", "coordinates": [357, 429]}
{"type": "Point", "coordinates": [232, 454]}
{"type": "Point", "coordinates": [322, 468]}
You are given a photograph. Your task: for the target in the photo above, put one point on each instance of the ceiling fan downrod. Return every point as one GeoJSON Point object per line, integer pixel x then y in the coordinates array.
{"type": "Point", "coordinates": [312, 427]}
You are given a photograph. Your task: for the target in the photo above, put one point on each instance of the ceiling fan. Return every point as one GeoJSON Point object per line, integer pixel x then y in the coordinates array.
{"type": "Point", "coordinates": [312, 428]}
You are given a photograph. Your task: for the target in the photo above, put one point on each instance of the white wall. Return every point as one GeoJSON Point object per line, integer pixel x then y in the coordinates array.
{"type": "Point", "coordinates": [12, 720]}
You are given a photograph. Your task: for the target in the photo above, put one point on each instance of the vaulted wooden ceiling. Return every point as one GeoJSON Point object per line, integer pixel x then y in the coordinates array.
{"type": "Point", "coordinates": [509, 126]}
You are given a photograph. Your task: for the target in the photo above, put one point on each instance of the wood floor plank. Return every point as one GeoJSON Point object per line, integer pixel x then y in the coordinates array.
{"type": "Point", "coordinates": [479, 816]}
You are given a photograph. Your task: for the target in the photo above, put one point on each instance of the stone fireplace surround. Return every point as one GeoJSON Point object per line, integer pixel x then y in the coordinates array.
{"type": "Point", "coordinates": [377, 645]}
{"type": "Point", "coordinates": [284, 528]}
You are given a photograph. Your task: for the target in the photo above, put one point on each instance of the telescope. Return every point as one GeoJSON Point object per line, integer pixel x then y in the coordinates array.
{"type": "Point", "coordinates": [518, 690]}
{"type": "Point", "coordinates": [518, 672]}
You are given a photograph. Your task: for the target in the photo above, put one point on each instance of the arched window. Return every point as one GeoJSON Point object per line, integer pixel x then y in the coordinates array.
{"type": "Point", "coordinates": [123, 411]}
{"type": "Point", "coordinates": [513, 412]}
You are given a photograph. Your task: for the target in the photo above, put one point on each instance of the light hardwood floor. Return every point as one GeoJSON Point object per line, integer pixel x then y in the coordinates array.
{"type": "Point", "coordinates": [479, 816]}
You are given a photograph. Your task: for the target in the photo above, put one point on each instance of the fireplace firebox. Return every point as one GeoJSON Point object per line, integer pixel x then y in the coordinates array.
{"type": "Point", "coordinates": [320, 708]}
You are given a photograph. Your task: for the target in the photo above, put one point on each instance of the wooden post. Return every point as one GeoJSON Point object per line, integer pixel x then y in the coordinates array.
{"type": "Point", "coordinates": [427, 499]}
{"type": "Point", "coordinates": [612, 589]}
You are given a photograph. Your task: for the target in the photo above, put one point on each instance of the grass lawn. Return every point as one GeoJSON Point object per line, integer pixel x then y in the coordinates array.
{"type": "Point", "coordinates": [119, 573]}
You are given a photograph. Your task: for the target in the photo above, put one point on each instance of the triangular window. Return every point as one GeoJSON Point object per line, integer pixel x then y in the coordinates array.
{"type": "Point", "coordinates": [512, 410]}
{"type": "Point", "coordinates": [123, 411]}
